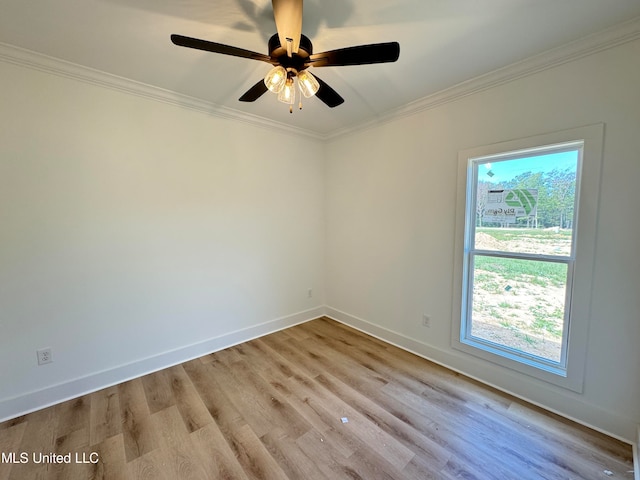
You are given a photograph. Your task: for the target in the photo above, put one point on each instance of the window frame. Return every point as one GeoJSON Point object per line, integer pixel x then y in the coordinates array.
{"type": "Point", "coordinates": [569, 372]}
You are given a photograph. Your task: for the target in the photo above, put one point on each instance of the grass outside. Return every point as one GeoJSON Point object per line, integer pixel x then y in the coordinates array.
{"type": "Point", "coordinates": [521, 303]}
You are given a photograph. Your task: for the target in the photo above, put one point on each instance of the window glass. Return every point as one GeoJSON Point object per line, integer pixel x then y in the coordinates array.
{"type": "Point", "coordinates": [520, 305]}
{"type": "Point", "coordinates": [519, 260]}
{"type": "Point", "coordinates": [527, 204]}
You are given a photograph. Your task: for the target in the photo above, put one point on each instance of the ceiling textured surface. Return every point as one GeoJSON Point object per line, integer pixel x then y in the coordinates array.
{"type": "Point", "coordinates": [442, 43]}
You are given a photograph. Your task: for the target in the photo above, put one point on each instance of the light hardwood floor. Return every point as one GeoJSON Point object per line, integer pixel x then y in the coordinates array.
{"type": "Point", "coordinates": [272, 408]}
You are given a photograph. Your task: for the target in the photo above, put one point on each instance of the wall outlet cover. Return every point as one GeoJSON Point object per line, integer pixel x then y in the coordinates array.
{"type": "Point", "coordinates": [44, 356]}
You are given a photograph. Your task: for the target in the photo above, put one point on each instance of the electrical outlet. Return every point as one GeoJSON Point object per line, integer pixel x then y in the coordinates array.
{"type": "Point", "coordinates": [310, 293]}
{"type": "Point", "coordinates": [426, 320]}
{"type": "Point", "coordinates": [44, 356]}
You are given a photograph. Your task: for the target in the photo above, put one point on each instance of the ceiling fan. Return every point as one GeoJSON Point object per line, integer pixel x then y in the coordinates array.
{"type": "Point", "coordinates": [291, 54]}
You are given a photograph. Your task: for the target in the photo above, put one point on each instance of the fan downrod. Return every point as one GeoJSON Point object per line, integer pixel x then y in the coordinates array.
{"type": "Point", "coordinates": [298, 60]}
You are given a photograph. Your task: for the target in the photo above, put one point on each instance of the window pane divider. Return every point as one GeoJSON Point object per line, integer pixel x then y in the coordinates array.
{"type": "Point", "coordinates": [523, 256]}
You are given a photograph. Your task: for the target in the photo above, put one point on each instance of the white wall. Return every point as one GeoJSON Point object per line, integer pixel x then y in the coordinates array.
{"type": "Point", "coordinates": [391, 205]}
{"type": "Point", "coordinates": [132, 231]}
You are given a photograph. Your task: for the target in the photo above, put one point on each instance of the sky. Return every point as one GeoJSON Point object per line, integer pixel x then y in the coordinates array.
{"type": "Point", "coordinates": [505, 170]}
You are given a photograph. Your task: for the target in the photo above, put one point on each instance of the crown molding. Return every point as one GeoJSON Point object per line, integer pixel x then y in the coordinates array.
{"type": "Point", "coordinates": [609, 38]}
{"type": "Point", "coordinates": [44, 63]}
{"type": "Point", "coordinates": [617, 35]}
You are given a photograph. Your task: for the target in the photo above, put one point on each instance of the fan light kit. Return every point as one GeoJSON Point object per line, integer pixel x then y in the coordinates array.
{"type": "Point", "coordinates": [308, 84]}
{"type": "Point", "coordinates": [291, 54]}
{"type": "Point", "coordinates": [275, 79]}
{"type": "Point", "coordinates": [281, 81]}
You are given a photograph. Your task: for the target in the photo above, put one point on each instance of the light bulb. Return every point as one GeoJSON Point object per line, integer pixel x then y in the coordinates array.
{"type": "Point", "coordinates": [275, 79]}
{"type": "Point", "coordinates": [288, 92]}
{"type": "Point", "coordinates": [308, 84]}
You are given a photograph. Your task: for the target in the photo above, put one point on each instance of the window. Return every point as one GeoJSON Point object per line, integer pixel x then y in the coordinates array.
{"type": "Point", "coordinates": [522, 304]}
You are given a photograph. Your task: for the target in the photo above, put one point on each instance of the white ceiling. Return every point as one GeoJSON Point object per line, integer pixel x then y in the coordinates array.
{"type": "Point", "coordinates": [442, 43]}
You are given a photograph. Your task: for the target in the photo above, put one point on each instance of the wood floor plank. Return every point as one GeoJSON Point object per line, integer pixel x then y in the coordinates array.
{"type": "Point", "coordinates": [188, 402]}
{"type": "Point", "coordinates": [295, 462]}
{"type": "Point", "coordinates": [39, 437]}
{"type": "Point", "coordinates": [445, 407]}
{"type": "Point", "coordinates": [421, 468]}
{"type": "Point", "coordinates": [272, 408]}
{"type": "Point", "coordinates": [216, 456]}
{"type": "Point", "coordinates": [220, 407]}
{"type": "Point", "coordinates": [175, 445]}
{"type": "Point", "coordinates": [280, 372]}
{"type": "Point", "coordinates": [111, 459]}
{"type": "Point", "coordinates": [294, 334]}
{"type": "Point", "coordinates": [13, 422]}
{"type": "Point", "coordinates": [359, 430]}
{"type": "Point", "coordinates": [288, 379]}
{"type": "Point", "coordinates": [291, 349]}
{"type": "Point", "coordinates": [252, 455]}
{"type": "Point", "coordinates": [262, 405]}
{"type": "Point", "coordinates": [365, 426]}
{"type": "Point", "coordinates": [421, 442]}
{"type": "Point", "coordinates": [334, 466]}
{"type": "Point", "coordinates": [150, 466]}
{"type": "Point", "coordinates": [105, 420]}
{"type": "Point", "coordinates": [227, 356]}
{"type": "Point", "coordinates": [506, 432]}
{"type": "Point", "coordinates": [380, 417]}
{"type": "Point", "coordinates": [564, 431]}
{"type": "Point", "coordinates": [74, 446]}
{"type": "Point", "coordinates": [73, 415]}
{"type": "Point", "coordinates": [157, 391]}
{"type": "Point", "coordinates": [137, 428]}
{"type": "Point", "coordinates": [10, 439]}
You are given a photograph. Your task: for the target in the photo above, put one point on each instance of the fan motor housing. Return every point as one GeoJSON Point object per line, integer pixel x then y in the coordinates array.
{"type": "Point", "coordinates": [298, 60]}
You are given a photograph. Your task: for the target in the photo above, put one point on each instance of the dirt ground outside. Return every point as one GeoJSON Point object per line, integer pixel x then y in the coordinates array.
{"type": "Point", "coordinates": [521, 303]}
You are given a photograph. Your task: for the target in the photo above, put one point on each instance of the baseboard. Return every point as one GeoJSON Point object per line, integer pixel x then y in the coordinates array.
{"type": "Point", "coordinates": [636, 455]}
{"type": "Point", "coordinates": [604, 421]}
{"type": "Point", "coordinates": [36, 400]}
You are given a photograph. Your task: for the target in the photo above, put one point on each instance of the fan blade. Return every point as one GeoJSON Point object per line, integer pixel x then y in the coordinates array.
{"type": "Point", "coordinates": [359, 55]}
{"type": "Point", "coordinates": [254, 92]}
{"type": "Point", "coordinates": [288, 17]}
{"type": "Point", "coordinates": [219, 48]}
{"type": "Point", "coordinates": [328, 95]}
